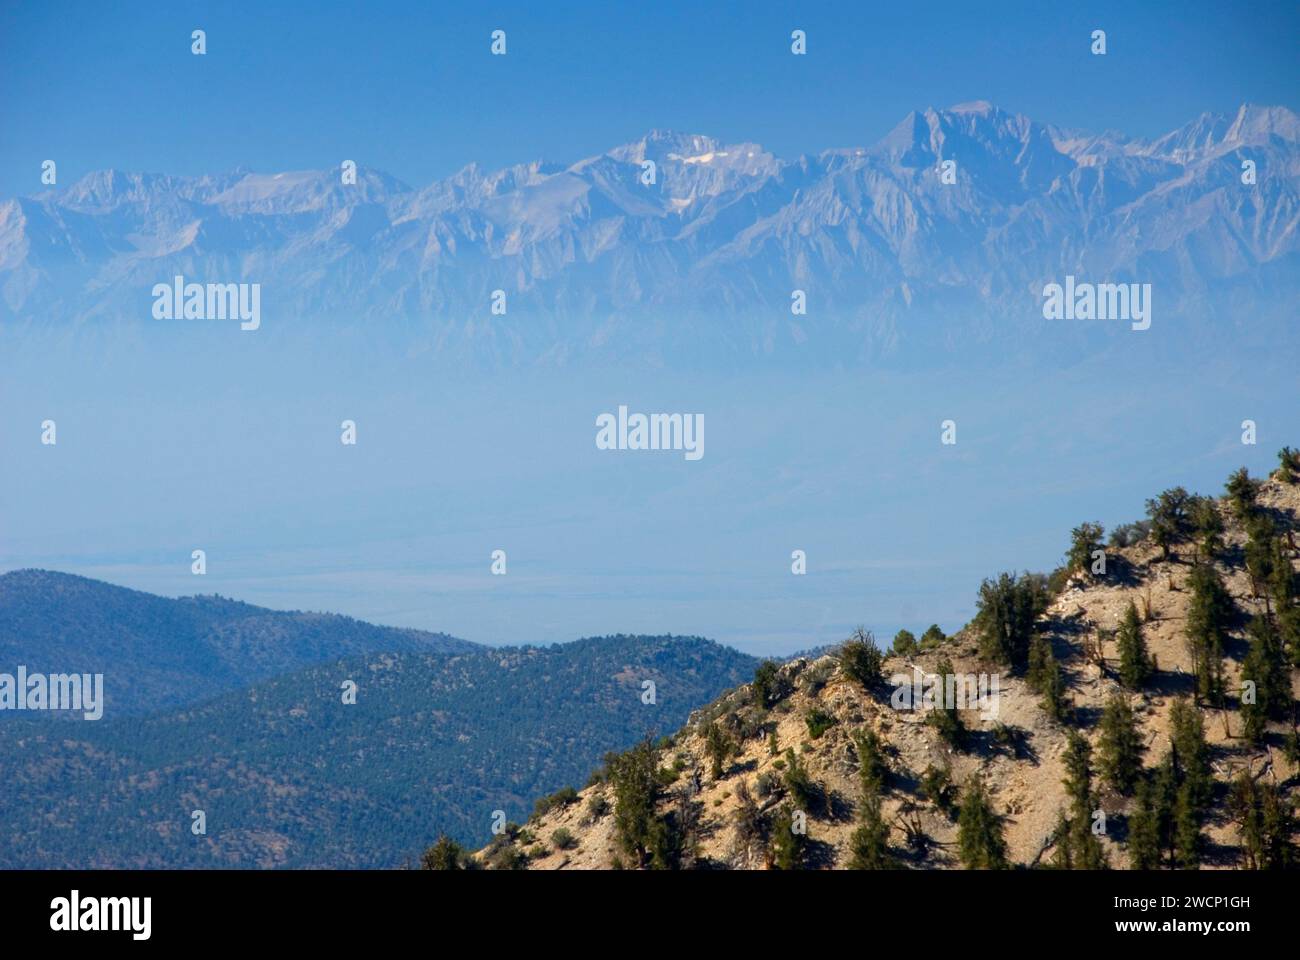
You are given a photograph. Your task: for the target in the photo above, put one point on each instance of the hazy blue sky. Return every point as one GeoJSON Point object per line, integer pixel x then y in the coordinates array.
{"type": "Point", "coordinates": [411, 88]}
{"type": "Point", "coordinates": [184, 440]}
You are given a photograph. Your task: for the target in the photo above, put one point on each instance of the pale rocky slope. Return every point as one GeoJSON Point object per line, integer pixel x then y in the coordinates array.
{"type": "Point", "coordinates": [1025, 784]}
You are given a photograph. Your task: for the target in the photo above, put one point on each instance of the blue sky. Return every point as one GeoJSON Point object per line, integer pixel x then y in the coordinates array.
{"type": "Point", "coordinates": [180, 440]}
{"type": "Point", "coordinates": [410, 88]}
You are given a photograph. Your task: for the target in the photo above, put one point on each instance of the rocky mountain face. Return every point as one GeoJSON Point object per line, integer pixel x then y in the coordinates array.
{"type": "Point", "coordinates": [593, 260]}
{"type": "Point", "coordinates": [729, 780]}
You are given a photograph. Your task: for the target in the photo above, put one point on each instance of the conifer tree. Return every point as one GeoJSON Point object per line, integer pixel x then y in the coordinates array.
{"type": "Point", "coordinates": [445, 854]}
{"type": "Point", "coordinates": [1169, 520]}
{"type": "Point", "coordinates": [1085, 539]}
{"type": "Point", "coordinates": [1052, 684]}
{"type": "Point", "coordinates": [944, 717]}
{"type": "Point", "coordinates": [869, 844]}
{"type": "Point", "coordinates": [1261, 533]}
{"type": "Point", "coordinates": [861, 659]}
{"type": "Point", "coordinates": [1120, 746]}
{"type": "Point", "coordinates": [1191, 754]}
{"type": "Point", "coordinates": [1134, 662]}
{"type": "Point", "coordinates": [1086, 851]}
{"type": "Point", "coordinates": [1164, 794]}
{"type": "Point", "coordinates": [1241, 493]}
{"type": "Point", "coordinates": [872, 770]}
{"type": "Point", "coordinates": [932, 637]}
{"type": "Point", "coordinates": [797, 782]}
{"type": "Point", "coordinates": [905, 644]}
{"type": "Point", "coordinates": [787, 845]}
{"type": "Point", "coordinates": [1187, 829]}
{"type": "Point", "coordinates": [980, 841]}
{"type": "Point", "coordinates": [1007, 610]}
{"type": "Point", "coordinates": [634, 776]}
{"type": "Point", "coordinates": [1276, 829]}
{"type": "Point", "coordinates": [1209, 614]}
{"type": "Point", "coordinates": [1288, 465]}
{"type": "Point", "coordinates": [1144, 828]}
{"type": "Point", "coordinates": [1208, 525]}
{"type": "Point", "coordinates": [1264, 668]}
{"type": "Point", "coordinates": [718, 747]}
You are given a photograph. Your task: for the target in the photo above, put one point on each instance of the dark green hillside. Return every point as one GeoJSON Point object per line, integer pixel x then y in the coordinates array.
{"type": "Point", "coordinates": [157, 652]}
{"type": "Point", "coordinates": [290, 776]}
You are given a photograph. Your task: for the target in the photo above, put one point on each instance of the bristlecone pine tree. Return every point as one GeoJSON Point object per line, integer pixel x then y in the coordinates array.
{"type": "Point", "coordinates": [1134, 662]}
{"type": "Point", "coordinates": [980, 841]}
{"type": "Point", "coordinates": [1209, 615]}
{"type": "Point", "coordinates": [869, 844]}
{"type": "Point", "coordinates": [1082, 849]}
{"type": "Point", "coordinates": [1119, 747]}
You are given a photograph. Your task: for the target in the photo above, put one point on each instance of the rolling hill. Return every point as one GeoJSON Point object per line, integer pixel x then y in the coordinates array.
{"type": "Point", "coordinates": [156, 652]}
{"type": "Point", "coordinates": [289, 775]}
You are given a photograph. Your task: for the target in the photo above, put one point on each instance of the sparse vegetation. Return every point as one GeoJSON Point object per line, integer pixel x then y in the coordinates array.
{"type": "Point", "coordinates": [905, 644]}
{"type": "Point", "coordinates": [1119, 747]}
{"type": "Point", "coordinates": [1209, 615]}
{"type": "Point", "coordinates": [980, 840]}
{"type": "Point", "coordinates": [1135, 667]}
{"type": "Point", "coordinates": [861, 660]}
{"type": "Point", "coordinates": [1007, 610]}
{"type": "Point", "coordinates": [1085, 539]}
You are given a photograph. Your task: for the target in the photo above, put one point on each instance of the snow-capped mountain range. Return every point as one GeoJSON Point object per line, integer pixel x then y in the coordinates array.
{"type": "Point", "coordinates": [594, 260]}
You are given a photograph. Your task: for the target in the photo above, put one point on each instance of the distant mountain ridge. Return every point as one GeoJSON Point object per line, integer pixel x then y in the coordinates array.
{"type": "Point", "coordinates": [159, 653]}
{"type": "Point", "coordinates": [703, 260]}
{"type": "Point", "coordinates": [290, 776]}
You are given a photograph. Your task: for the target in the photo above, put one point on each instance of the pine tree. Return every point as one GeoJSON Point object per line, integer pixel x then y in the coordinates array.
{"type": "Point", "coordinates": [1164, 794]}
{"type": "Point", "coordinates": [798, 784]}
{"type": "Point", "coordinates": [768, 684]}
{"type": "Point", "coordinates": [445, 854]}
{"type": "Point", "coordinates": [1190, 753]}
{"type": "Point", "coordinates": [718, 747]}
{"type": "Point", "coordinates": [1208, 524]}
{"type": "Point", "coordinates": [1144, 828]}
{"type": "Point", "coordinates": [861, 659]}
{"type": "Point", "coordinates": [1187, 828]}
{"type": "Point", "coordinates": [1242, 492]}
{"type": "Point", "coordinates": [872, 770]}
{"type": "Point", "coordinates": [1062, 854]}
{"type": "Point", "coordinates": [1086, 850]}
{"type": "Point", "coordinates": [787, 846]}
{"type": "Point", "coordinates": [1052, 683]}
{"type": "Point", "coordinates": [1259, 553]}
{"type": "Point", "coordinates": [1134, 662]}
{"type": "Point", "coordinates": [932, 637]}
{"type": "Point", "coordinates": [1278, 815]}
{"type": "Point", "coordinates": [1120, 746]}
{"type": "Point", "coordinates": [1209, 614]}
{"type": "Point", "coordinates": [980, 841]}
{"type": "Point", "coordinates": [1085, 539]}
{"type": "Point", "coordinates": [1288, 465]}
{"type": "Point", "coordinates": [634, 776]}
{"type": "Point", "coordinates": [944, 717]}
{"type": "Point", "coordinates": [1169, 521]}
{"type": "Point", "coordinates": [1265, 667]}
{"type": "Point", "coordinates": [905, 644]}
{"type": "Point", "coordinates": [869, 844]}
{"type": "Point", "coordinates": [1007, 610]}
{"type": "Point", "coordinates": [1243, 802]}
